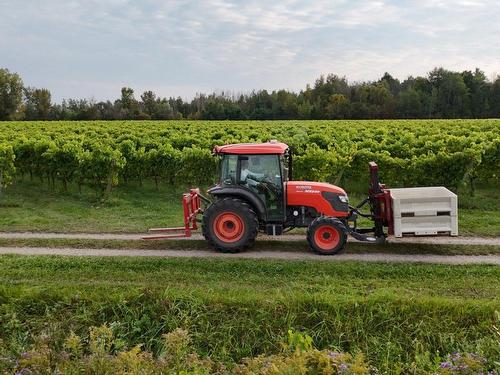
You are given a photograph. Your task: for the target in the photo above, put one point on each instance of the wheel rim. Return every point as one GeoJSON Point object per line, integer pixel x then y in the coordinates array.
{"type": "Point", "coordinates": [326, 237]}
{"type": "Point", "coordinates": [228, 227]}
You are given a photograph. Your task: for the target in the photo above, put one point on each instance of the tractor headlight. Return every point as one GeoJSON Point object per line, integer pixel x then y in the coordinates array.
{"type": "Point", "coordinates": [344, 199]}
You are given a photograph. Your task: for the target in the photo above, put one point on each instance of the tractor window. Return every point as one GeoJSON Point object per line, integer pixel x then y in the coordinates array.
{"type": "Point", "coordinates": [262, 175]}
{"type": "Point", "coordinates": [228, 169]}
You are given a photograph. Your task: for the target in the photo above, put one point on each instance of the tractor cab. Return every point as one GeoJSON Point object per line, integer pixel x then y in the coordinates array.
{"type": "Point", "coordinates": [255, 172]}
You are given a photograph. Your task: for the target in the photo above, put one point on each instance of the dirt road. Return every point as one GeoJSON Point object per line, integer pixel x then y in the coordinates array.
{"type": "Point", "coordinates": [279, 255]}
{"type": "Point", "coordinates": [287, 237]}
{"type": "Point", "coordinates": [255, 253]}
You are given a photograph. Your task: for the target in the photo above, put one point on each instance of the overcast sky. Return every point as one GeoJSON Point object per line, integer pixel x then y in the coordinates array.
{"type": "Point", "coordinates": [86, 48]}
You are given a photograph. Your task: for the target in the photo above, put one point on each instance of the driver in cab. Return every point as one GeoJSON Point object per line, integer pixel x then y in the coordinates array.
{"type": "Point", "coordinates": [262, 183]}
{"type": "Point", "coordinates": [249, 177]}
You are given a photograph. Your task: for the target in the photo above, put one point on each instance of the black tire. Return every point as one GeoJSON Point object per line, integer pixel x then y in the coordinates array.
{"type": "Point", "coordinates": [327, 235]}
{"type": "Point", "coordinates": [230, 225]}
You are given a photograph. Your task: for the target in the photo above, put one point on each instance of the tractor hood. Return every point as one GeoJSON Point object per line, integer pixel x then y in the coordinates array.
{"type": "Point", "coordinates": [313, 187]}
{"type": "Point", "coordinates": [327, 199]}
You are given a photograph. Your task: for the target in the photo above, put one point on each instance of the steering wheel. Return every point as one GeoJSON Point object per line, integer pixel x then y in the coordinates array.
{"type": "Point", "coordinates": [269, 186]}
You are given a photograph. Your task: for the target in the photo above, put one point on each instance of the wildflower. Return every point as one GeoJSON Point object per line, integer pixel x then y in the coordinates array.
{"type": "Point", "coordinates": [445, 365]}
{"type": "Point", "coordinates": [343, 368]}
{"type": "Point", "coordinates": [334, 355]}
{"type": "Point", "coordinates": [25, 355]}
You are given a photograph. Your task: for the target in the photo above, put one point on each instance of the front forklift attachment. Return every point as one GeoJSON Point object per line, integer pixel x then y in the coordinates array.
{"type": "Point", "coordinates": [379, 200]}
{"type": "Point", "coordinates": [191, 203]}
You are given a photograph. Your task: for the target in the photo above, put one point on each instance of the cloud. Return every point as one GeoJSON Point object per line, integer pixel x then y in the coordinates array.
{"type": "Point", "coordinates": [91, 48]}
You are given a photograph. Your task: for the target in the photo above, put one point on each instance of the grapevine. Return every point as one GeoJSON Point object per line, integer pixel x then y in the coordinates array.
{"type": "Point", "coordinates": [103, 154]}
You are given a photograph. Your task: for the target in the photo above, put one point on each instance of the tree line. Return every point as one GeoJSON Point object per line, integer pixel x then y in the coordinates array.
{"type": "Point", "coordinates": [440, 94]}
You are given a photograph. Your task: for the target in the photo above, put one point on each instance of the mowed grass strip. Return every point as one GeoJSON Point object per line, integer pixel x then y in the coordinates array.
{"type": "Point", "coordinates": [260, 245]}
{"type": "Point", "coordinates": [29, 206]}
{"type": "Point", "coordinates": [252, 275]}
{"type": "Point", "coordinates": [237, 308]}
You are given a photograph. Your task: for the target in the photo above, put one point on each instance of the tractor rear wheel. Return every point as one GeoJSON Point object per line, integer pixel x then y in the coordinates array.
{"type": "Point", "coordinates": [327, 235]}
{"type": "Point", "coordinates": [230, 225]}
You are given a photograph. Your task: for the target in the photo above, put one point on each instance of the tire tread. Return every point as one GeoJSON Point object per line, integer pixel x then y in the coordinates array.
{"type": "Point", "coordinates": [322, 220]}
{"type": "Point", "coordinates": [244, 209]}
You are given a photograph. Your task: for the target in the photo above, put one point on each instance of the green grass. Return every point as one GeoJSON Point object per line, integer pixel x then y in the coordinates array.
{"type": "Point", "coordinates": [239, 308]}
{"type": "Point", "coordinates": [480, 215]}
{"type": "Point", "coordinates": [297, 246]}
{"type": "Point", "coordinates": [28, 207]}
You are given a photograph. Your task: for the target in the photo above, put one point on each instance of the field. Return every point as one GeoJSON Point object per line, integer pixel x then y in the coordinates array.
{"type": "Point", "coordinates": [100, 154]}
{"type": "Point", "coordinates": [65, 171]}
{"type": "Point", "coordinates": [234, 309]}
{"type": "Point", "coordinates": [111, 314]}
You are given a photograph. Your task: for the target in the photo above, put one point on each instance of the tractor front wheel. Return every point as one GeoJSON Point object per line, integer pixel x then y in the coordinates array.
{"type": "Point", "coordinates": [230, 225]}
{"type": "Point", "coordinates": [327, 235]}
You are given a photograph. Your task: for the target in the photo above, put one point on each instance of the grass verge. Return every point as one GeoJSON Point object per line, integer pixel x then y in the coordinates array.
{"type": "Point", "coordinates": [296, 246]}
{"type": "Point", "coordinates": [28, 206]}
{"type": "Point", "coordinates": [395, 314]}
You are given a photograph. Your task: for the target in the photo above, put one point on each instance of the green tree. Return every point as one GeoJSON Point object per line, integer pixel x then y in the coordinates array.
{"type": "Point", "coordinates": [213, 110]}
{"type": "Point", "coordinates": [392, 83]}
{"type": "Point", "coordinates": [304, 110]}
{"type": "Point", "coordinates": [408, 104]}
{"type": "Point", "coordinates": [284, 105]}
{"type": "Point", "coordinates": [338, 107]}
{"type": "Point", "coordinates": [129, 106]}
{"type": "Point", "coordinates": [37, 103]}
{"type": "Point", "coordinates": [450, 93]}
{"type": "Point", "coordinates": [11, 94]}
{"type": "Point", "coordinates": [378, 100]}
{"type": "Point", "coordinates": [323, 90]}
{"type": "Point", "coordinates": [260, 105]}
{"type": "Point", "coordinates": [149, 103]}
{"type": "Point", "coordinates": [495, 98]}
{"type": "Point", "coordinates": [478, 92]}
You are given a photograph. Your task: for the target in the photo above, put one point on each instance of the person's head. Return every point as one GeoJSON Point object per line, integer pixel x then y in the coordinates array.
{"type": "Point", "coordinates": [244, 163]}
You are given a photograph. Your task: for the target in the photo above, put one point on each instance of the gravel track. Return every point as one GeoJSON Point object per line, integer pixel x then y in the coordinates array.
{"type": "Point", "coordinates": [256, 254]}
{"type": "Point", "coordinates": [286, 237]}
{"type": "Point", "coordinates": [279, 255]}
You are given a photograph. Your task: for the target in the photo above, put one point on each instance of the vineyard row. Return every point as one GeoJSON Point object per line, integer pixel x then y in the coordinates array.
{"type": "Point", "coordinates": [101, 155]}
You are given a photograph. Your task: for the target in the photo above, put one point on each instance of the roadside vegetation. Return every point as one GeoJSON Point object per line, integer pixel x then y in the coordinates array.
{"type": "Point", "coordinates": [102, 354]}
{"type": "Point", "coordinates": [399, 317]}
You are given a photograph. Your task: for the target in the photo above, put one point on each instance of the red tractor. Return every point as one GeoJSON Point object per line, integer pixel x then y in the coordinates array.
{"type": "Point", "coordinates": [256, 193]}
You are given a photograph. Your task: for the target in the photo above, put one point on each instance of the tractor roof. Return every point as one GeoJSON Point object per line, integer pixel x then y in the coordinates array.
{"type": "Point", "coordinates": [271, 147]}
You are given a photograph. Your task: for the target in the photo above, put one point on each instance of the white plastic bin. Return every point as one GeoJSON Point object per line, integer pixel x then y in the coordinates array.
{"type": "Point", "coordinates": [424, 211]}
